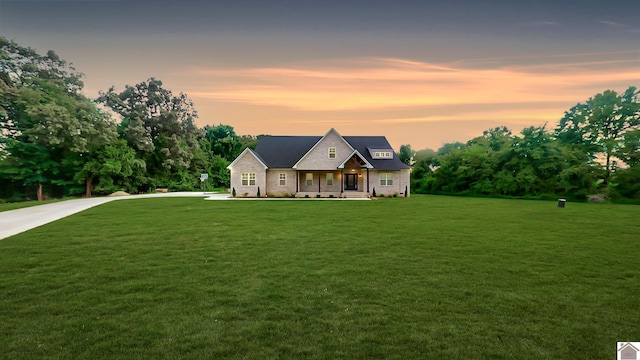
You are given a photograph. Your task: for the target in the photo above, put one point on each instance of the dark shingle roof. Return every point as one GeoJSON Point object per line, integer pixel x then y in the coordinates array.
{"type": "Point", "coordinates": [285, 151]}
{"type": "Point", "coordinates": [362, 143]}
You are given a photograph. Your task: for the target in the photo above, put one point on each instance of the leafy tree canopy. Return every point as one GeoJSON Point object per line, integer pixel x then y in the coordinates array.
{"type": "Point", "coordinates": [605, 124]}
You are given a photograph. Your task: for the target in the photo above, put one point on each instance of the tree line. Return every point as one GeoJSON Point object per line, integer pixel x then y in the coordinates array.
{"type": "Point", "coordinates": [593, 152]}
{"type": "Point", "coordinates": [56, 142]}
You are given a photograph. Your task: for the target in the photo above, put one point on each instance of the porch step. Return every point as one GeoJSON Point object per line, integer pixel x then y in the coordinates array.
{"type": "Point", "coordinates": [355, 195]}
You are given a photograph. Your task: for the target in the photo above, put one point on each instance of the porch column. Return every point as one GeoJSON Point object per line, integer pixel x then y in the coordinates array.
{"type": "Point", "coordinates": [297, 181]}
{"type": "Point", "coordinates": [341, 181]}
{"type": "Point", "coordinates": [319, 179]}
{"type": "Point", "coordinates": [367, 180]}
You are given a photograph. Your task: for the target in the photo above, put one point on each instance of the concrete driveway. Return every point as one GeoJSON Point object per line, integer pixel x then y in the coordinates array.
{"type": "Point", "coordinates": [16, 221]}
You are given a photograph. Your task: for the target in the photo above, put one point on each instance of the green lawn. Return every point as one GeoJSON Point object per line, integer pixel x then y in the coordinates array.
{"type": "Point", "coordinates": [25, 204]}
{"type": "Point", "coordinates": [425, 277]}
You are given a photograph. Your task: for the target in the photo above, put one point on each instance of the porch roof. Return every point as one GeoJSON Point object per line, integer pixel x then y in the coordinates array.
{"type": "Point", "coordinates": [355, 153]}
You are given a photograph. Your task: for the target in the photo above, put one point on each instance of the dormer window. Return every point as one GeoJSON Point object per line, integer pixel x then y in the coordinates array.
{"type": "Point", "coordinates": [332, 153]}
{"type": "Point", "coordinates": [381, 153]}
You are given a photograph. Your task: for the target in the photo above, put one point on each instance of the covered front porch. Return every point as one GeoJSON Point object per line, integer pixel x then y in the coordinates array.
{"type": "Point", "coordinates": [338, 183]}
{"type": "Point", "coordinates": [349, 179]}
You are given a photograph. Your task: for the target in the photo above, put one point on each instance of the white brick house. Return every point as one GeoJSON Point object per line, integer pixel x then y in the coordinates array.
{"type": "Point", "coordinates": [329, 165]}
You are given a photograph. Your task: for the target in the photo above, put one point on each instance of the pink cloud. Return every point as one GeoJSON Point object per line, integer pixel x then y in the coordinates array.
{"type": "Point", "coordinates": [393, 83]}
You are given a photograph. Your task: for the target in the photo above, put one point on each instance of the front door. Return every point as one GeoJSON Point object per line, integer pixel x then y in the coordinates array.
{"type": "Point", "coordinates": [351, 182]}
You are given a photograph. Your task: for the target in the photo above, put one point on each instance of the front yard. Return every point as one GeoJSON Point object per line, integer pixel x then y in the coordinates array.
{"type": "Point", "coordinates": [424, 277]}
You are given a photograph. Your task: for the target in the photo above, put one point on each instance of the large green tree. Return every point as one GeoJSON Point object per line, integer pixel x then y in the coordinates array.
{"type": "Point", "coordinates": [600, 125]}
{"type": "Point", "coordinates": [422, 179]}
{"type": "Point", "coordinates": [224, 141]}
{"type": "Point", "coordinates": [61, 130]}
{"type": "Point", "coordinates": [221, 145]}
{"type": "Point", "coordinates": [54, 140]}
{"type": "Point", "coordinates": [629, 151]}
{"type": "Point", "coordinates": [19, 65]}
{"type": "Point", "coordinates": [161, 128]}
{"type": "Point", "coordinates": [111, 165]}
{"type": "Point", "coordinates": [406, 154]}
{"type": "Point", "coordinates": [470, 167]}
{"type": "Point", "coordinates": [532, 163]}
{"type": "Point", "coordinates": [47, 125]}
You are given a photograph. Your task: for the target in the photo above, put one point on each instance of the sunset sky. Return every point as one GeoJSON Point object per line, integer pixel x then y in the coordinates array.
{"type": "Point", "coordinates": [420, 72]}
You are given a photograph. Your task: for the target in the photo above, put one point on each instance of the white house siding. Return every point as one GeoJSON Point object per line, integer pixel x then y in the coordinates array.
{"type": "Point", "coordinates": [400, 182]}
{"type": "Point", "coordinates": [273, 182]}
{"type": "Point", "coordinates": [248, 163]}
{"type": "Point", "coordinates": [318, 157]}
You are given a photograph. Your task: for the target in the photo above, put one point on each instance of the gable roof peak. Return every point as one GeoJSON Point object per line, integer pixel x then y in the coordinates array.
{"type": "Point", "coordinates": [625, 345]}
{"type": "Point", "coordinates": [243, 153]}
{"type": "Point", "coordinates": [332, 130]}
{"type": "Point", "coordinates": [357, 153]}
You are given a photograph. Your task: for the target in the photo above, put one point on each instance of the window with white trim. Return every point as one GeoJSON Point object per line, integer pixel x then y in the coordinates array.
{"type": "Point", "coordinates": [329, 179]}
{"type": "Point", "coordinates": [332, 153]}
{"type": "Point", "coordinates": [248, 179]}
{"type": "Point", "coordinates": [386, 179]}
{"type": "Point", "coordinates": [309, 179]}
{"type": "Point", "coordinates": [282, 179]}
{"type": "Point", "coordinates": [382, 154]}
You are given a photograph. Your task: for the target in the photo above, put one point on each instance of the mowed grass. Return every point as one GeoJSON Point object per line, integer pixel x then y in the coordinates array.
{"type": "Point", "coordinates": [25, 204]}
{"type": "Point", "coordinates": [425, 277]}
